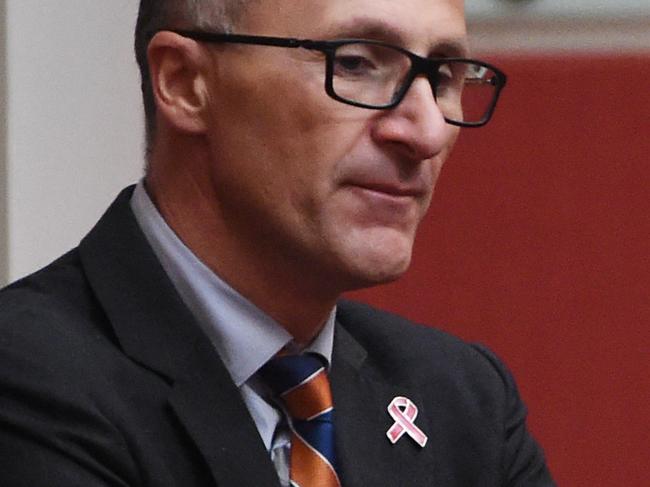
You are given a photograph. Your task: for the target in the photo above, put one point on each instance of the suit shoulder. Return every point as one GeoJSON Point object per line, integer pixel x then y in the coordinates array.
{"type": "Point", "coordinates": [51, 316]}
{"type": "Point", "coordinates": [55, 282]}
{"type": "Point", "coordinates": [389, 331]}
{"type": "Point", "coordinates": [364, 319]}
{"type": "Point", "coordinates": [58, 289]}
{"type": "Point", "coordinates": [416, 352]}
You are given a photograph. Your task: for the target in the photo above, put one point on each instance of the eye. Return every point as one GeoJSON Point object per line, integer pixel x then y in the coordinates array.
{"type": "Point", "coordinates": [352, 65]}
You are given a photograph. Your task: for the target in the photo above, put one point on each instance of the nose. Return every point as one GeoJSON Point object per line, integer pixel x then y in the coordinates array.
{"type": "Point", "coordinates": [416, 128]}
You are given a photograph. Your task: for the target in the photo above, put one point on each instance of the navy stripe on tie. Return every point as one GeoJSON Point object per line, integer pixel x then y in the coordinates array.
{"type": "Point", "coordinates": [292, 370]}
{"type": "Point", "coordinates": [318, 433]}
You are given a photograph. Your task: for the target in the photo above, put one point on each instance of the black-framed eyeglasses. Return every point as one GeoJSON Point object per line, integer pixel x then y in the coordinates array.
{"type": "Point", "coordinates": [376, 75]}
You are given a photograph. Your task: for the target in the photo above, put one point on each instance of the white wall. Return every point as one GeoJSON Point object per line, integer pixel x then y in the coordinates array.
{"type": "Point", "coordinates": [74, 129]}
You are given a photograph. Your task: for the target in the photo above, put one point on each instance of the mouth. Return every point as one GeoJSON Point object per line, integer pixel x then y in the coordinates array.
{"type": "Point", "coordinates": [391, 190]}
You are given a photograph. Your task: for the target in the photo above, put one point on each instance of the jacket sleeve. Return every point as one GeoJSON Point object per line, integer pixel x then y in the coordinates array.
{"type": "Point", "coordinates": [523, 462]}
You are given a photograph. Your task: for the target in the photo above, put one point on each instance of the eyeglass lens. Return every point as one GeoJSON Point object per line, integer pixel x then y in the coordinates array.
{"type": "Point", "coordinates": [375, 75]}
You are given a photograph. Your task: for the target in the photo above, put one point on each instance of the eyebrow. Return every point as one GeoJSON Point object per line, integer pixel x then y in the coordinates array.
{"type": "Point", "coordinates": [380, 30]}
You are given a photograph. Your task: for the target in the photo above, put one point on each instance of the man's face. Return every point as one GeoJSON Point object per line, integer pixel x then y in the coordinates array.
{"type": "Point", "coordinates": [321, 188]}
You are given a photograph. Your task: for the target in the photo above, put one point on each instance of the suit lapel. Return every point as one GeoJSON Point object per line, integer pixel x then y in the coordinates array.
{"type": "Point", "coordinates": [210, 407]}
{"type": "Point", "coordinates": [361, 398]}
{"type": "Point", "coordinates": [156, 329]}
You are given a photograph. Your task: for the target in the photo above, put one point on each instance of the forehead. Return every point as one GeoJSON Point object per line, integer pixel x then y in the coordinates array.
{"type": "Point", "coordinates": [415, 24]}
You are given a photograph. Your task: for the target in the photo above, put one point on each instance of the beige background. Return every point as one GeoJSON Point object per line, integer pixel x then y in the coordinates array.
{"type": "Point", "coordinates": [72, 123]}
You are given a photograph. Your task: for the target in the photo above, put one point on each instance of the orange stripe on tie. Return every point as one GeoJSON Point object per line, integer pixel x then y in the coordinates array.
{"type": "Point", "coordinates": [310, 398]}
{"type": "Point", "coordinates": [308, 468]}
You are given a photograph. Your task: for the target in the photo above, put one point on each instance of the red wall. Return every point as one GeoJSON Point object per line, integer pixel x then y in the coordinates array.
{"type": "Point", "coordinates": [537, 245]}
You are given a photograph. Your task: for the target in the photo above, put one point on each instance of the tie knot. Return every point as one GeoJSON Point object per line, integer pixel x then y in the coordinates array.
{"type": "Point", "coordinates": [301, 382]}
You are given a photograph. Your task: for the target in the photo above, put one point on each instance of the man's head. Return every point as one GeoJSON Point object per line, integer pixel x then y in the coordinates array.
{"type": "Point", "coordinates": [288, 183]}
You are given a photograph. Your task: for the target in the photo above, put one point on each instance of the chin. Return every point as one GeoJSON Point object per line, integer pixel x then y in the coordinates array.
{"type": "Point", "coordinates": [372, 261]}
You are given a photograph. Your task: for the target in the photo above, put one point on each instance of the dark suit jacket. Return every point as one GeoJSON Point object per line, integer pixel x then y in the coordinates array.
{"type": "Point", "coordinates": [106, 379]}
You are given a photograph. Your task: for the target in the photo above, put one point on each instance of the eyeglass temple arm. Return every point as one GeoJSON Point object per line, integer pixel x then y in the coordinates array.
{"type": "Point", "coordinates": [248, 39]}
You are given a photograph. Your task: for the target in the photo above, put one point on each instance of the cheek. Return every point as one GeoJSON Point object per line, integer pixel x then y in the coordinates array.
{"type": "Point", "coordinates": [307, 128]}
{"type": "Point", "coordinates": [272, 121]}
{"type": "Point", "coordinates": [277, 162]}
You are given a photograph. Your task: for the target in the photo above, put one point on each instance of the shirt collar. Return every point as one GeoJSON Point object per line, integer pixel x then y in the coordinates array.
{"type": "Point", "coordinates": [244, 336]}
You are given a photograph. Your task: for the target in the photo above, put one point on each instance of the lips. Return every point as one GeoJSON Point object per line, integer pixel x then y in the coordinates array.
{"type": "Point", "coordinates": [399, 183]}
{"type": "Point", "coordinates": [392, 189]}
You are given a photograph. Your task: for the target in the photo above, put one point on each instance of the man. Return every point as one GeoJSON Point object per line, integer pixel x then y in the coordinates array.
{"type": "Point", "coordinates": [287, 162]}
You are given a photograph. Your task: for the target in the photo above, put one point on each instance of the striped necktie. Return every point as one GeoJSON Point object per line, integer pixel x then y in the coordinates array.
{"type": "Point", "coordinates": [301, 382]}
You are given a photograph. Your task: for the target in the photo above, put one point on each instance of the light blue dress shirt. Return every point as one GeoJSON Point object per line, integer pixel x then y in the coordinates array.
{"type": "Point", "coordinates": [243, 335]}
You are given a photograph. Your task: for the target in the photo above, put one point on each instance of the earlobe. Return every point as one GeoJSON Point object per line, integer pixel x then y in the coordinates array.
{"type": "Point", "coordinates": [178, 82]}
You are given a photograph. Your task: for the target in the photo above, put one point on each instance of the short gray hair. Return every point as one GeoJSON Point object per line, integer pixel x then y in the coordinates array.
{"type": "Point", "coordinates": [155, 15]}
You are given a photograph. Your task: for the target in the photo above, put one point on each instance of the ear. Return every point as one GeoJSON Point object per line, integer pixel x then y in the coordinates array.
{"type": "Point", "coordinates": [177, 70]}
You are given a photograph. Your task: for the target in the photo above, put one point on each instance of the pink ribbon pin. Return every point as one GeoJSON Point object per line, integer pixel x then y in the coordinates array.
{"type": "Point", "coordinates": [404, 412]}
